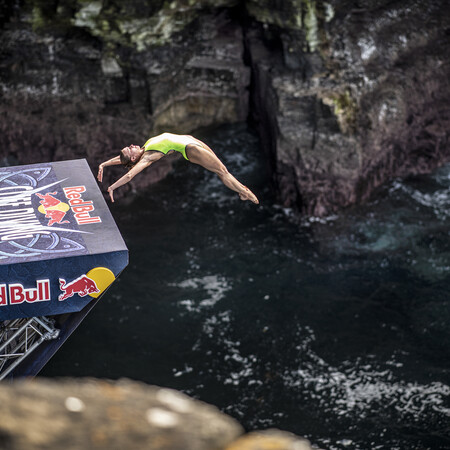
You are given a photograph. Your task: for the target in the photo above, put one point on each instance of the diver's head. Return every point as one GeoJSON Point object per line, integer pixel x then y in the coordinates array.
{"type": "Point", "coordinates": [130, 155]}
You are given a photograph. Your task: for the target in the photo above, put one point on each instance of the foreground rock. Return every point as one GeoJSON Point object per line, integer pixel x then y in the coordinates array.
{"type": "Point", "coordinates": [270, 440]}
{"type": "Point", "coordinates": [89, 413]}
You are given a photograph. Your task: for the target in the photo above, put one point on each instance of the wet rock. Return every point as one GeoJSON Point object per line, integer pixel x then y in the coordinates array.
{"type": "Point", "coordinates": [74, 414]}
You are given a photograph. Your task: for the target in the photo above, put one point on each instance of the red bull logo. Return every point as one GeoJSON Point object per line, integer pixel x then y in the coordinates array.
{"type": "Point", "coordinates": [54, 209]}
{"type": "Point", "coordinates": [93, 283]}
{"type": "Point", "coordinates": [82, 286]}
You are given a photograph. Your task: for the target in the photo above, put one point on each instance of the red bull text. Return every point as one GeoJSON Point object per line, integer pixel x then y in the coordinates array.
{"type": "Point", "coordinates": [81, 208]}
{"type": "Point", "coordinates": [15, 294]}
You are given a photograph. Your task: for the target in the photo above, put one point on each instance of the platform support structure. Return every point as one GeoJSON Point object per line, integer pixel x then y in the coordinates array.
{"type": "Point", "coordinates": [20, 337]}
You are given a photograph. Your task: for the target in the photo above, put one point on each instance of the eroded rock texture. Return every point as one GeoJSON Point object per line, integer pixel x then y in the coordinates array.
{"type": "Point", "coordinates": [354, 93]}
{"type": "Point", "coordinates": [345, 94]}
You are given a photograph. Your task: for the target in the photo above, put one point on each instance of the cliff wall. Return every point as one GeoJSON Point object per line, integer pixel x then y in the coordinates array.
{"type": "Point", "coordinates": [345, 94]}
{"type": "Point", "coordinates": [349, 94]}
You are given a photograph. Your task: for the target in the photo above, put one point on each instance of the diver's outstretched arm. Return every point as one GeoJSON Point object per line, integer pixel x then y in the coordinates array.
{"type": "Point", "coordinates": [111, 162]}
{"type": "Point", "coordinates": [143, 163]}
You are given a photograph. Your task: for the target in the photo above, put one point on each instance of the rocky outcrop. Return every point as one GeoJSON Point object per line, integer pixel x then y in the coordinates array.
{"type": "Point", "coordinates": [352, 95]}
{"type": "Point", "coordinates": [90, 413]}
{"type": "Point", "coordinates": [344, 94]}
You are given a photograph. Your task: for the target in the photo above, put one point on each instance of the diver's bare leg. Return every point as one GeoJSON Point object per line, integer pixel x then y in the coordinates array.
{"type": "Point", "coordinates": [205, 157]}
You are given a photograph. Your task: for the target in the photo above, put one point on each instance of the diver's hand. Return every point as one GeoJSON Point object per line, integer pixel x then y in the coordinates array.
{"type": "Point", "coordinates": [100, 173]}
{"type": "Point", "coordinates": [111, 195]}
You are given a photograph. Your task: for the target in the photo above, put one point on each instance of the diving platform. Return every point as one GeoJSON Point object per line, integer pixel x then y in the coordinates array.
{"type": "Point", "coordinates": [60, 250]}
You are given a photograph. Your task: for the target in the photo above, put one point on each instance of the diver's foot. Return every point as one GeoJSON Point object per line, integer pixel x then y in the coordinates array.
{"type": "Point", "coordinates": [248, 195]}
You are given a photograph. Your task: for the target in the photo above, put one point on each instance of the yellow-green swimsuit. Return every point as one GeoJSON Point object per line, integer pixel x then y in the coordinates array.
{"type": "Point", "coordinates": [165, 145]}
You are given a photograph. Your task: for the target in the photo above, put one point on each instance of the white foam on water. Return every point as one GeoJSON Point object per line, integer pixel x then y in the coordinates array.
{"type": "Point", "coordinates": [438, 201]}
{"type": "Point", "coordinates": [360, 388]}
{"type": "Point", "coordinates": [357, 389]}
{"type": "Point", "coordinates": [214, 289]}
{"type": "Point", "coordinates": [178, 373]}
{"type": "Point", "coordinates": [240, 366]}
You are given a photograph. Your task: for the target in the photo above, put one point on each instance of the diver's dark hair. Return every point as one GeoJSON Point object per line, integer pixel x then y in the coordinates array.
{"type": "Point", "coordinates": [125, 160]}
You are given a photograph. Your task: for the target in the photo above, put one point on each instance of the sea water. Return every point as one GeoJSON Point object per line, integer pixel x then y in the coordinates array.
{"type": "Point", "coordinates": [336, 329]}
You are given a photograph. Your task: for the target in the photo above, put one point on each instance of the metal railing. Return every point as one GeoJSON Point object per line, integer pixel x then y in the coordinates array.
{"type": "Point", "coordinates": [20, 337]}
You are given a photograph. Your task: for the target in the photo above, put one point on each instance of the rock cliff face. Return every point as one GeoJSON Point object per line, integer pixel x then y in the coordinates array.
{"type": "Point", "coordinates": [354, 93]}
{"type": "Point", "coordinates": [345, 94]}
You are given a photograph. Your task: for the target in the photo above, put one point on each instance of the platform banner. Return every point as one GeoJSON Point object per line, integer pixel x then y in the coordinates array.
{"type": "Point", "coordinates": [59, 244]}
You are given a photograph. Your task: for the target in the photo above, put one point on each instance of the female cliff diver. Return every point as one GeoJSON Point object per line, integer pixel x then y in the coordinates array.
{"type": "Point", "coordinates": [137, 158]}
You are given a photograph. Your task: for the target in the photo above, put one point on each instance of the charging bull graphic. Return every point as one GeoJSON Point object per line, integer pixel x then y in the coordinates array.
{"type": "Point", "coordinates": [82, 286]}
{"type": "Point", "coordinates": [48, 200]}
{"type": "Point", "coordinates": [54, 209]}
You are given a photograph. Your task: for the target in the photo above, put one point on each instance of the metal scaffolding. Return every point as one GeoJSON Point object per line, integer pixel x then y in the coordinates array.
{"type": "Point", "coordinates": [20, 337]}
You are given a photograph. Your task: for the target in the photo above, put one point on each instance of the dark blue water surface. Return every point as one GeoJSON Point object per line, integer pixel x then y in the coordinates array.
{"type": "Point", "coordinates": [335, 329]}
